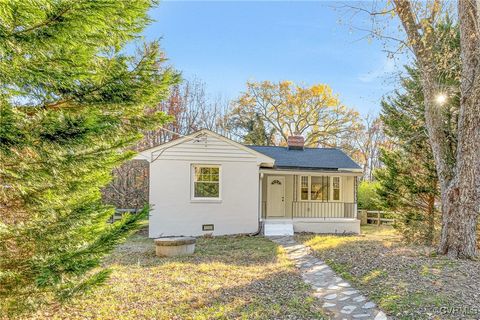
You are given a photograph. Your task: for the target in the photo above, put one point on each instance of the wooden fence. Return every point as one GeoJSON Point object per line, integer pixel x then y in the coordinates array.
{"type": "Point", "coordinates": [374, 217]}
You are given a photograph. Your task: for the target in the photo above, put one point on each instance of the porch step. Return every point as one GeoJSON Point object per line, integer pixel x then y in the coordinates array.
{"type": "Point", "coordinates": [278, 228]}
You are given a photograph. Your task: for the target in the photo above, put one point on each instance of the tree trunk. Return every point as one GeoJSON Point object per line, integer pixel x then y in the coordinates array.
{"type": "Point", "coordinates": [431, 219]}
{"type": "Point", "coordinates": [459, 172]}
{"type": "Point", "coordinates": [462, 200]}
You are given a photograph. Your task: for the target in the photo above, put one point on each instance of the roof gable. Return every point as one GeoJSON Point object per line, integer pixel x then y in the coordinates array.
{"type": "Point", "coordinates": [204, 145]}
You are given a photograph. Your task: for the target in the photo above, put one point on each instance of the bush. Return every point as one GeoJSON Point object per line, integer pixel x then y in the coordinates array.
{"type": "Point", "coordinates": [368, 196]}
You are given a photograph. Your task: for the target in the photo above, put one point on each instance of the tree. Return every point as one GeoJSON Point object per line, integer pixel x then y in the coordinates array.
{"type": "Point", "coordinates": [457, 160]}
{"type": "Point", "coordinates": [457, 164]}
{"type": "Point", "coordinates": [250, 128]}
{"type": "Point", "coordinates": [288, 109]}
{"type": "Point", "coordinates": [70, 104]}
{"type": "Point", "coordinates": [408, 180]}
{"type": "Point", "coordinates": [190, 109]}
{"type": "Point", "coordinates": [366, 145]}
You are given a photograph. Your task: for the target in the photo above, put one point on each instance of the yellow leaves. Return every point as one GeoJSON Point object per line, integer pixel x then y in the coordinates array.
{"type": "Point", "coordinates": [285, 106]}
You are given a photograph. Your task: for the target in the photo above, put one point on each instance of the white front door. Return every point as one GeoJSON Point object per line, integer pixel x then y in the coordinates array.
{"type": "Point", "coordinates": [275, 196]}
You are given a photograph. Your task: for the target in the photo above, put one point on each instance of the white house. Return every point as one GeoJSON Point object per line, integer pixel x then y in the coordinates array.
{"type": "Point", "coordinates": [206, 183]}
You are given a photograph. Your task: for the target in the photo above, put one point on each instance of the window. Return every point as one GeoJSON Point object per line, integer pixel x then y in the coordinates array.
{"type": "Point", "coordinates": [319, 188]}
{"type": "Point", "coordinates": [304, 188]}
{"type": "Point", "coordinates": [206, 182]}
{"type": "Point", "coordinates": [336, 188]}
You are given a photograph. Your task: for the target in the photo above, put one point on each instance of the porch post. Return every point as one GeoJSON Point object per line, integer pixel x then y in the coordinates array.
{"type": "Point", "coordinates": [355, 197]}
{"type": "Point", "coordinates": [260, 197]}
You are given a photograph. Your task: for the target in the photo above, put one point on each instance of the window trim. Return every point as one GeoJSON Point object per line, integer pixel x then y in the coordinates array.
{"type": "Point", "coordinates": [192, 182]}
{"type": "Point", "coordinates": [339, 189]}
{"type": "Point", "coordinates": [330, 187]}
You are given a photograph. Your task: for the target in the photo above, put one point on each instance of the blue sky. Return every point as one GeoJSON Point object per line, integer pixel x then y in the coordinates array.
{"type": "Point", "coordinates": [227, 43]}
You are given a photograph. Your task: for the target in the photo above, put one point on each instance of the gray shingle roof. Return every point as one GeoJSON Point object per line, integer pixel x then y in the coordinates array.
{"type": "Point", "coordinates": [309, 158]}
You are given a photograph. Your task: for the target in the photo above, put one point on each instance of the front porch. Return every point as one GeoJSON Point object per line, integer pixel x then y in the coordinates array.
{"type": "Point", "coordinates": [310, 201]}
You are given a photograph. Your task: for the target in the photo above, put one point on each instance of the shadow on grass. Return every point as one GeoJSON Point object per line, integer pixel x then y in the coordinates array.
{"type": "Point", "coordinates": [405, 280]}
{"type": "Point", "coordinates": [234, 250]}
{"type": "Point", "coordinates": [277, 295]}
{"type": "Point", "coordinates": [227, 278]}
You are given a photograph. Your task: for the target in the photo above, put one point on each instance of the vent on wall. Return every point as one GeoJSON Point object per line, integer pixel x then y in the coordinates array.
{"type": "Point", "coordinates": [207, 227]}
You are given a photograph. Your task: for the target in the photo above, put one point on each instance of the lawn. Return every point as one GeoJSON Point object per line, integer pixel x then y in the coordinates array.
{"type": "Point", "coordinates": [227, 278]}
{"type": "Point", "coordinates": [409, 282]}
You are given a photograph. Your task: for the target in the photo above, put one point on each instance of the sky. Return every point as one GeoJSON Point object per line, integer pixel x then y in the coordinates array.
{"type": "Point", "coordinates": [226, 44]}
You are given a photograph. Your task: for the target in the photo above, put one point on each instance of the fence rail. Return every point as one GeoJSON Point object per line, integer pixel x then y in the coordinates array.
{"type": "Point", "coordinates": [314, 209]}
{"type": "Point", "coordinates": [374, 217]}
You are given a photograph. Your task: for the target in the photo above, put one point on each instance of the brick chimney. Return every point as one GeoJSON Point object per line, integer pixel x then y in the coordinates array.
{"type": "Point", "coordinates": [295, 142]}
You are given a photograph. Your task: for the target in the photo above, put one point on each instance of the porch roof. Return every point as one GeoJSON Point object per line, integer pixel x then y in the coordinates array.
{"type": "Point", "coordinates": [308, 158]}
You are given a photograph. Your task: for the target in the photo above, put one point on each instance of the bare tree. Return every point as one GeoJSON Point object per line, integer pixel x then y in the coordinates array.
{"type": "Point", "coordinates": [190, 109]}
{"type": "Point", "coordinates": [367, 145]}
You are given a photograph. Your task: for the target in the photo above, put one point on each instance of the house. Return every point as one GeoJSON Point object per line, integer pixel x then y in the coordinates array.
{"type": "Point", "coordinates": [206, 183]}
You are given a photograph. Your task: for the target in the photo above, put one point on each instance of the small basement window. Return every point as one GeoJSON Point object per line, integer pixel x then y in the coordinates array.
{"type": "Point", "coordinates": [206, 182]}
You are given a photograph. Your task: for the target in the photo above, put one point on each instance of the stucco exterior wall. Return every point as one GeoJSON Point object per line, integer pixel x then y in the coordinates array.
{"type": "Point", "coordinates": [175, 213]}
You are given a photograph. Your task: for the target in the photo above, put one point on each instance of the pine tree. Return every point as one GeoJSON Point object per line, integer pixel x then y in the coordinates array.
{"type": "Point", "coordinates": [257, 133]}
{"type": "Point", "coordinates": [409, 182]}
{"type": "Point", "coordinates": [71, 102]}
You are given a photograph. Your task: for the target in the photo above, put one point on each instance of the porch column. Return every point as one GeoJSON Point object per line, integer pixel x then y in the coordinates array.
{"type": "Point", "coordinates": [260, 197]}
{"type": "Point", "coordinates": [355, 197]}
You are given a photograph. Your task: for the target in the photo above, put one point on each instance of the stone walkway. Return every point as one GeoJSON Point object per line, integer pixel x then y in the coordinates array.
{"type": "Point", "coordinates": [338, 298]}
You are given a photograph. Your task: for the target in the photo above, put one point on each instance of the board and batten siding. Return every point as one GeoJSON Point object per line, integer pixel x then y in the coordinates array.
{"type": "Point", "coordinates": [291, 190]}
{"type": "Point", "coordinates": [175, 213]}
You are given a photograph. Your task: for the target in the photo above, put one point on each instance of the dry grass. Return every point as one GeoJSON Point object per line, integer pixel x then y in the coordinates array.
{"type": "Point", "coordinates": [227, 278]}
{"type": "Point", "coordinates": [409, 282]}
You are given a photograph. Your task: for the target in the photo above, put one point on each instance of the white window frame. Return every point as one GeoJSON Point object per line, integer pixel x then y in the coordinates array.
{"type": "Point", "coordinates": [330, 187]}
{"type": "Point", "coordinates": [339, 189]}
{"type": "Point", "coordinates": [192, 183]}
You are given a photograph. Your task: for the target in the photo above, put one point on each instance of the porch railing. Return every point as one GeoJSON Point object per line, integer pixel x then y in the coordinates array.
{"type": "Point", "coordinates": [314, 209]}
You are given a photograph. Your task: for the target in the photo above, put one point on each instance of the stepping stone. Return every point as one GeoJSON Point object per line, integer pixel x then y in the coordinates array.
{"type": "Point", "coordinates": [328, 305]}
{"type": "Point", "coordinates": [359, 299]}
{"type": "Point", "coordinates": [348, 309]}
{"type": "Point", "coordinates": [381, 316]}
{"type": "Point", "coordinates": [369, 305]}
{"type": "Point", "coordinates": [361, 315]}
{"type": "Point", "coordinates": [349, 293]}
{"type": "Point", "coordinates": [344, 284]}
{"type": "Point", "coordinates": [336, 294]}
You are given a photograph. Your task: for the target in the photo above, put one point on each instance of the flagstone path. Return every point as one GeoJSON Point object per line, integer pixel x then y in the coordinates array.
{"type": "Point", "coordinates": [339, 299]}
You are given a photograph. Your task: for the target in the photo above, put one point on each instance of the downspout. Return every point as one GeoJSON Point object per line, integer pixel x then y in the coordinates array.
{"type": "Point", "coordinates": [260, 205]}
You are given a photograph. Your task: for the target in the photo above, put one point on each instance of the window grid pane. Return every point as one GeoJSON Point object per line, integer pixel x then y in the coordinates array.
{"type": "Point", "coordinates": [206, 182]}
{"type": "Point", "coordinates": [304, 188]}
{"type": "Point", "coordinates": [336, 188]}
{"type": "Point", "coordinates": [319, 188]}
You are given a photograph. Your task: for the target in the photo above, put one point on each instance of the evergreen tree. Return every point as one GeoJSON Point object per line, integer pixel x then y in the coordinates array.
{"type": "Point", "coordinates": [409, 182]}
{"type": "Point", "coordinates": [71, 102]}
{"type": "Point", "coordinates": [257, 133]}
